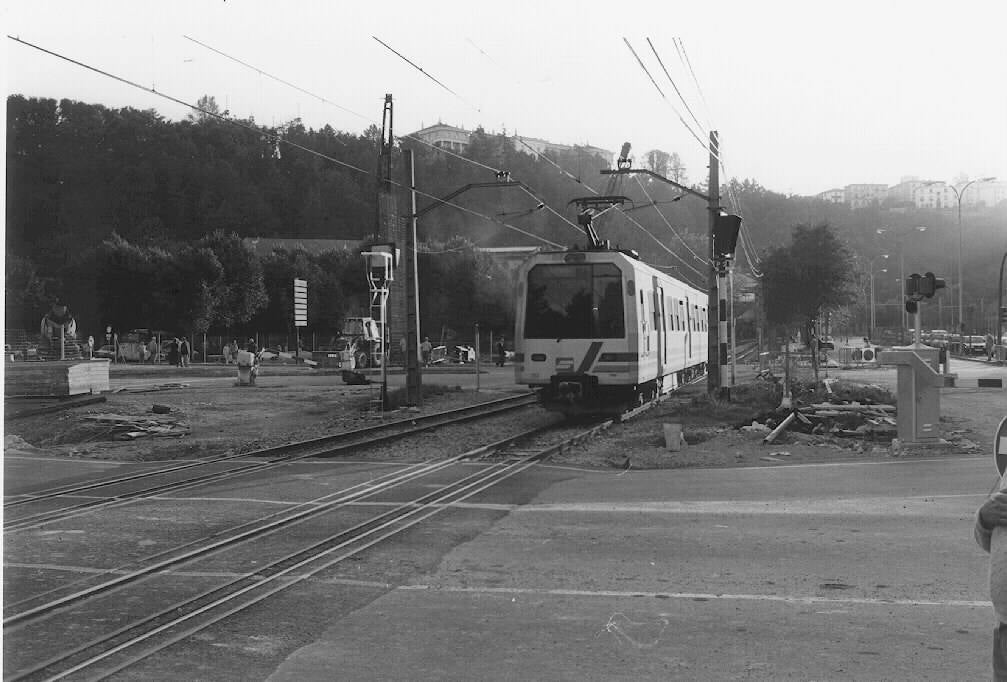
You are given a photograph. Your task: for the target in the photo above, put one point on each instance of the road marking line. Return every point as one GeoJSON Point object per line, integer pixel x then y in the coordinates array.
{"type": "Point", "coordinates": [860, 506]}
{"type": "Point", "coordinates": [703, 596]}
{"type": "Point", "coordinates": [853, 463]}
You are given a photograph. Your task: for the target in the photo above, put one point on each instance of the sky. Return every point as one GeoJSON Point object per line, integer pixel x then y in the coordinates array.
{"type": "Point", "coordinates": [805, 96]}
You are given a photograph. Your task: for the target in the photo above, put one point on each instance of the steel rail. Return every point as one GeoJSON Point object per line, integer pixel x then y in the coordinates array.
{"type": "Point", "coordinates": [313, 442]}
{"type": "Point", "coordinates": [397, 520]}
{"type": "Point", "coordinates": [292, 516]}
{"type": "Point", "coordinates": [374, 437]}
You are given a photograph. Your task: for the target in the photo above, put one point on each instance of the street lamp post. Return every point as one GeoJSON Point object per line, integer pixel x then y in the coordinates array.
{"type": "Point", "coordinates": [874, 318]}
{"type": "Point", "coordinates": [899, 234]}
{"type": "Point", "coordinates": [961, 280]}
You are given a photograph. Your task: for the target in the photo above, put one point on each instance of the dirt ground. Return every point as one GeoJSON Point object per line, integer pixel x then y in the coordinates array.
{"type": "Point", "coordinates": [207, 419]}
{"type": "Point", "coordinates": [210, 418]}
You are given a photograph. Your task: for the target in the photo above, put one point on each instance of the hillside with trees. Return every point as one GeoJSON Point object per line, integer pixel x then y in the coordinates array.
{"type": "Point", "coordinates": [136, 220]}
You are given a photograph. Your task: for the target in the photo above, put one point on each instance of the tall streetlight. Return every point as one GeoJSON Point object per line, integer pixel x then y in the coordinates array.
{"type": "Point", "coordinates": [870, 269]}
{"type": "Point", "coordinates": [961, 281]}
{"type": "Point", "coordinates": [899, 234]}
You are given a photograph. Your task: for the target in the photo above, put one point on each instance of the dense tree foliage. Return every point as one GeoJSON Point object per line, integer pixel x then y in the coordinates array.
{"type": "Point", "coordinates": [174, 198]}
{"type": "Point", "coordinates": [807, 278]}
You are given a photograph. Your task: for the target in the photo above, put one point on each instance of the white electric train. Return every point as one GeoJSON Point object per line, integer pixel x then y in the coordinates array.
{"type": "Point", "coordinates": [599, 331]}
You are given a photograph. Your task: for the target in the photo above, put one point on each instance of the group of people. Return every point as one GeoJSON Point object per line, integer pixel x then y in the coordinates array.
{"type": "Point", "coordinates": [426, 349]}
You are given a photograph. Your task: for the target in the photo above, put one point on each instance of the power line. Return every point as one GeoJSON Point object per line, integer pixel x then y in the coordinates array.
{"type": "Point", "coordinates": [277, 78]}
{"type": "Point", "coordinates": [665, 219]}
{"type": "Point", "coordinates": [662, 245]}
{"type": "Point", "coordinates": [420, 69]}
{"type": "Point", "coordinates": [259, 131]}
{"type": "Point", "coordinates": [684, 56]}
{"type": "Point", "coordinates": [639, 61]}
{"type": "Point", "coordinates": [677, 91]}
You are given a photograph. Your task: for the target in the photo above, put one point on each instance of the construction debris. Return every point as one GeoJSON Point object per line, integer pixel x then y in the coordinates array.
{"type": "Point", "coordinates": [839, 417]}
{"type": "Point", "coordinates": [130, 427]}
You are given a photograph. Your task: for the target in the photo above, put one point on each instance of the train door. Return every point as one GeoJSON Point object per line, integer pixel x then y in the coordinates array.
{"type": "Point", "coordinates": [688, 328]}
{"type": "Point", "coordinates": [660, 327]}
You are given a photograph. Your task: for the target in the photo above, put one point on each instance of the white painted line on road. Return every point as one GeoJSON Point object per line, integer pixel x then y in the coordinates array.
{"type": "Point", "coordinates": [855, 463]}
{"type": "Point", "coordinates": [861, 506]}
{"type": "Point", "coordinates": [700, 596]}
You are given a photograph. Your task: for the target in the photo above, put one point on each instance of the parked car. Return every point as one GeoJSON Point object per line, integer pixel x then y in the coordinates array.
{"type": "Point", "coordinates": [974, 345]}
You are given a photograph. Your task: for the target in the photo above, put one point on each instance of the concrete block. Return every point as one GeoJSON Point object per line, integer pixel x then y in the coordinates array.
{"type": "Point", "coordinates": [674, 440]}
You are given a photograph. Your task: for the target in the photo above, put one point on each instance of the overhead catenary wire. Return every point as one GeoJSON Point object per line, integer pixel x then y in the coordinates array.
{"type": "Point", "coordinates": [671, 80]}
{"type": "Point", "coordinates": [705, 261]}
{"type": "Point", "coordinates": [685, 123]}
{"type": "Point", "coordinates": [411, 137]}
{"type": "Point", "coordinates": [369, 119]}
{"type": "Point", "coordinates": [684, 56]}
{"type": "Point", "coordinates": [421, 70]}
{"type": "Point", "coordinates": [664, 246]}
{"type": "Point", "coordinates": [260, 131]}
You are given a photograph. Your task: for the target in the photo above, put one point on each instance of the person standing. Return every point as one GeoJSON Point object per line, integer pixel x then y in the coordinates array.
{"type": "Point", "coordinates": [153, 349]}
{"type": "Point", "coordinates": [501, 349]}
{"type": "Point", "coordinates": [425, 349]}
{"type": "Point", "coordinates": [990, 527]}
{"type": "Point", "coordinates": [184, 352]}
{"type": "Point", "coordinates": [173, 356]}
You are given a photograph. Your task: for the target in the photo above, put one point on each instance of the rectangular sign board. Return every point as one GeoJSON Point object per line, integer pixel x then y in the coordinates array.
{"type": "Point", "coordinates": [300, 302]}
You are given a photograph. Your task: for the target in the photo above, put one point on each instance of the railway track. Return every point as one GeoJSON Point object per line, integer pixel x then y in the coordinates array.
{"type": "Point", "coordinates": [109, 652]}
{"type": "Point", "coordinates": [119, 490]}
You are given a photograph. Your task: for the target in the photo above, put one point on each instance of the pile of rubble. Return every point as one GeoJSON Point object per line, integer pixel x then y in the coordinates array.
{"type": "Point", "coordinates": [839, 415]}
{"type": "Point", "coordinates": [840, 419]}
{"type": "Point", "coordinates": [132, 427]}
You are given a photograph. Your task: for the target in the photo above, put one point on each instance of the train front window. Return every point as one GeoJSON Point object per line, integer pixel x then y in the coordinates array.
{"type": "Point", "coordinates": [575, 301]}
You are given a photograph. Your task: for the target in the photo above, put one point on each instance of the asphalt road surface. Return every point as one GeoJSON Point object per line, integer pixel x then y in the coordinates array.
{"type": "Point", "coordinates": [831, 571]}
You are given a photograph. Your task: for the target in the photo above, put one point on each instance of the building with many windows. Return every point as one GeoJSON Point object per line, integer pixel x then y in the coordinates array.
{"type": "Point", "coordinates": [457, 140]}
{"type": "Point", "coordinates": [935, 194]}
{"type": "Point", "coordinates": [864, 195]}
{"type": "Point", "coordinates": [833, 196]}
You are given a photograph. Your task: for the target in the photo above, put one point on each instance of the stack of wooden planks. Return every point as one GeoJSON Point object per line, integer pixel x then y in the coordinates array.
{"type": "Point", "coordinates": [55, 378]}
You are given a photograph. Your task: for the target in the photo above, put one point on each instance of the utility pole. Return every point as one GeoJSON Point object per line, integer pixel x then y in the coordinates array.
{"type": "Point", "coordinates": [713, 359]}
{"type": "Point", "coordinates": [414, 377]}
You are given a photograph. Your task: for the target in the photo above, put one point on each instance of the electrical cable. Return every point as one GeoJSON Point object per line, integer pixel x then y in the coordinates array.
{"type": "Point", "coordinates": [282, 140]}
{"type": "Point", "coordinates": [662, 244]}
{"type": "Point", "coordinates": [557, 166]}
{"type": "Point", "coordinates": [639, 61]}
{"type": "Point", "coordinates": [496, 171]}
{"type": "Point", "coordinates": [671, 80]}
{"type": "Point", "coordinates": [684, 56]}
{"type": "Point", "coordinates": [665, 219]}
{"type": "Point", "coordinates": [420, 69]}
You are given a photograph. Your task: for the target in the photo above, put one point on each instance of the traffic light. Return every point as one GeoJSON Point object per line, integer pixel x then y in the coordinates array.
{"type": "Point", "coordinates": [929, 284]}
{"type": "Point", "coordinates": [1003, 314]}
{"type": "Point", "coordinates": [913, 285]}
{"type": "Point", "coordinates": [725, 235]}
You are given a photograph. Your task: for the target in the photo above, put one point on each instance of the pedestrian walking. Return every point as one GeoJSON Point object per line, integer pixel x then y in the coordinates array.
{"type": "Point", "coordinates": [153, 350]}
{"type": "Point", "coordinates": [184, 352]}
